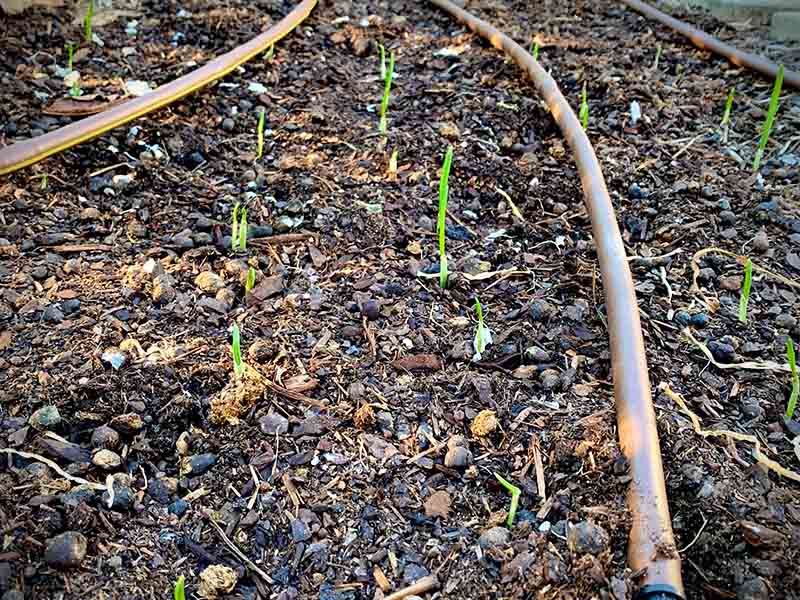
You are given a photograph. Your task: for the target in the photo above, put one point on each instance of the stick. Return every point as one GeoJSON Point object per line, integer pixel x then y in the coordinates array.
{"type": "Point", "coordinates": [238, 552]}
{"type": "Point", "coordinates": [419, 587]}
{"type": "Point", "coordinates": [59, 470]}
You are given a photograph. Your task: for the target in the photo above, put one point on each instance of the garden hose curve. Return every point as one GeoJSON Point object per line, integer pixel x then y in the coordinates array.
{"type": "Point", "coordinates": [28, 152]}
{"type": "Point", "coordinates": [651, 548]}
{"type": "Point", "coordinates": [706, 42]}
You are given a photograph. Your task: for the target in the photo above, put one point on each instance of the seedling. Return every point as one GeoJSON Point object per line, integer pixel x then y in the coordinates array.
{"type": "Point", "coordinates": [44, 182]}
{"type": "Point", "coordinates": [270, 52]}
{"type": "Point", "coordinates": [243, 231]}
{"type": "Point", "coordinates": [770, 120]}
{"type": "Point", "coordinates": [584, 111]}
{"type": "Point", "coordinates": [444, 190]}
{"type": "Point", "coordinates": [75, 89]}
{"type": "Point", "coordinates": [795, 379]}
{"type": "Point", "coordinates": [658, 58]}
{"type": "Point", "coordinates": [726, 116]}
{"type": "Point", "coordinates": [87, 22]}
{"type": "Point", "coordinates": [483, 336]}
{"type": "Point", "coordinates": [383, 61]}
{"type": "Point", "coordinates": [251, 280]}
{"type": "Point", "coordinates": [260, 133]}
{"type": "Point", "coordinates": [70, 53]}
{"type": "Point", "coordinates": [179, 593]}
{"type": "Point", "coordinates": [236, 350]}
{"type": "Point", "coordinates": [515, 494]}
{"type": "Point", "coordinates": [745, 297]}
{"type": "Point", "coordinates": [535, 50]}
{"type": "Point", "coordinates": [393, 162]}
{"type": "Point", "coordinates": [235, 228]}
{"type": "Point", "coordinates": [386, 87]}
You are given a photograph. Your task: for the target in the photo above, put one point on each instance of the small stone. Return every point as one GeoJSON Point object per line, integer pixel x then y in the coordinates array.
{"type": "Point", "coordinates": [71, 306]}
{"type": "Point", "coordinates": [209, 282]}
{"type": "Point", "coordinates": [753, 589]}
{"type": "Point", "coordinates": [458, 457]}
{"type": "Point", "coordinates": [496, 536]}
{"type": "Point", "coordinates": [115, 562]}
{"type": "Point", "coordinates": [273, 423]}
{"type": "Point", "coordinates": [550, 379]}
{"type": "Point", "coordinates": [129, 423]}
{"type": "Point", "coordinates": [727, 217]}
{"type": "Point", "coordinates": [39, 273]}
{"type": "Point", "coordinates": [414, 572]}
{"type": "Point", "coordinates": [538, 355]}
{"type": "Point", "coordinates": [77, 495]}
{"type": "Point", "coordinates": [106, 459]}
{"type": "Point", "coordinates": [300, 531]}
{"type": "Point", "coordinates": [699, 320]}
{"type": "Point", "coordinates": [228, 124]}
{"type": "Point", "coordinates": [46, 417]}
{"type": "Point", "coordinates": [361, 46]}
{"type": "Point", "coordinates": [681, 317]}
{"type": "Point", "coordinates": [66, 550]}
{"type": "Point", "coordinates": [105, 437]}
{"type": "Point", "coordinates": [53, 314]}
{"type": "Point", "coordinates": [199, 463]}
{"type": "Point", "coordinates": [371, 309]}
{"type": "Point", "coordinates": [587, 538]}
{"type": "Point", "coordinates": [636, 193]}
{"type": "Point", "coordinates": [731, 284]}
{"type": "Point", "coordinates": [163, 290]}
{"type": "Point", "coordinates": [723, 352]}
{"type": "Point", "coordinates": [356, 390]}
{"type": "Point", "coordinates": [785, 321]}
{"type": "Point", "coordinates": [761, 242]}
{"type": "Point", "coordinates": [179, 507]}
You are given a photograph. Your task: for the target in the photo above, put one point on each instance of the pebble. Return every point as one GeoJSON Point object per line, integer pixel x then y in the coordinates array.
{"type": "Point", "coordinates": [751, 408]}
{"type": "Point", "coordinates": [66, 550]}
{"type": "Point", "coordinates": [46, 417]}
{"type": "Point", "coordinates": [727, 217]}
{"type": "Point", "coordinates": [71, 306]}
{"type": "Point", "coordinates": [699, 320]}
{"type": "Point", "coordinates": [496, 536]}
{"type": "Point", "coordinates": [371, 309]}
{"type": "Point", "coordinates": [682, 318]}
{"type": "Point", "coordinates": [550, 379]}
{"type": "Point", "coordinates": [414, 572]}
{"type": "Point", "coordinates": [723, 352]}
{"type": "Point", "coordinates": [200, 463]}
{"type": "Point", "coordinates": [761, 242]}
{"type": "Point", "coordinates": [541, 311]}
{"type": "Point", "coordinates": [458, 457]}
{"type": "Point", "coordinates": [159, 490]}
{"type": "Point", "coordinates": [129, 423]}
{"type": "Point", "coordinates": [273, 423]}
{"type": "Point", "coordinates": [179, 507]}
{"type": "Point", "coordinates": [300, 531]}
{"type": "Point", "coordinates": [78, 494]}
{"type": "Point", "coordinates": [228, 124]}
{"type": "Point", "coordinates": [53, 314]}
{"type": "Point", "coordinates": [587, 538]}
{"type": "Point", "coordinates": [538, 355]}
{"type": "Point", "coordinates": [785, 321]}
{"type": "Point", "coordinates": [106, 459]}
{"type": "Point", "coordinates": [105, 437]}
{"type": "Point", "coordinates": [208, 281]}
{"type": "Point", "coordinates": [731, 284]}
{"type": "Point", "coordinates": [636, 193]}
{"type": "Point", "coordinates": [753, 589]}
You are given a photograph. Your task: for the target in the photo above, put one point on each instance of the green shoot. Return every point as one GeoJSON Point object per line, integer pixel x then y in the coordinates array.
{"type": "Point", "coordinates": [243, 231]}
{"type": "Point", "coordinates": [483, 336]}
{"type": "Point", "coordinates": [87, 22]}
{"type": "Point", "coordinates": [770, 120]}
{"type": "Point", "coordinates": [795, 379]}
{"type": "Point", "coordinates": [386, 87]}
{"type": "Point", "coordinates": [260, 133]}
{"type": "Point", "coordinates": [658, 58]}
{"type": "Point", "coordinates": [70, 53]}
{"type": "Point", "coordinates": [745, 297]}
{"type": "Point", "coordinates": [44, 182]}
{"type": "Point", "coordinates": [383, 61]}
{"type": "Point", "coordinates": [75, 89]}
{"type": "Point", "coordinates": [584, 111]}
{"type": "Point", "coordinates": [251, 280]}
{"type": "Point", "coordinates": [535, 50]}
{"type": "Point", "coordinates": [235, 227]}
{"type": "Point", "coordinates": [236, 350]}
{"type": "Point", "coordinates": [726, 116]}
{"type": "Point", "coordinates": [515, 494]}
{"type": "Point", "coordinates": [270, 52]}
{"type": "Point", "coordinates": [393, 162]}
{"type": "Point", "coordinates": [180, 591]}
{"type": "Point", "coordinates": [444, 190]}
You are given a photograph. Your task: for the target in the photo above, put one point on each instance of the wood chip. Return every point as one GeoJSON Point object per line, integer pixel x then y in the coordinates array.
{"type": "Point", "coordinates": [429, 362]}
{"type": "Point", "coordinates": [438, 504]}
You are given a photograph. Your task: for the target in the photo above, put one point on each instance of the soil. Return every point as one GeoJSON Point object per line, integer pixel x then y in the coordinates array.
{"type": "Point", "coordinates": [352, 459]}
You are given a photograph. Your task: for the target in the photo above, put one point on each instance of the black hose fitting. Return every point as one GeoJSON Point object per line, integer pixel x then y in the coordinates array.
{"type": "Point", "coordinates": [658, 592]}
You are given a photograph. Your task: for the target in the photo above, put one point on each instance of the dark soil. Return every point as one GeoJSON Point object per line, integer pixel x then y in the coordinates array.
{"type": "Point", "coordinates": [119, 290]}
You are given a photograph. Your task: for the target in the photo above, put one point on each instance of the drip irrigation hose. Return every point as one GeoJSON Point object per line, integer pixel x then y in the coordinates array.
{"type": "Point", "coordinates": [651, 547]}
{"type": "Point", "coordinates": [28, 152]}
{"type": "Point", "coordinates": [706, 42]}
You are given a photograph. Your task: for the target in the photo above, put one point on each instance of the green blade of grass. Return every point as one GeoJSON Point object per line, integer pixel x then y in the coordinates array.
{"type": "Point", "coordinates": [444, 190]}
{"type": "Point", "coordinates": [745, 297]}
{"type": "Point", "coordinates": [180, 590]}
{"type": "Point", "coordinates": [515, 494]}
{"type": "Point", "coordinates": [260, 133]}
{"type": "Point", "coordinates": [251, 280]}
{"type": "Point", "coordinates": [726, 116]}
{"type": "Point", "coordinates": [387, 86]}
{"type": "Point", "coordinates": [382, 52]}
{"type": "Point", "coordinates": [790, 407]}
{"type": "Point", "coordinates": [535, 50]}
{"type": "Point", "coordinates": [584, 111]}
{"type": "Point", "coordinates": [87, 22]}
{"type": "Point", "coordinates": [235, 227]}
{"type": "Point", "coordinates": [770, 120]}
{"type": "Point", "coordinates": [236, 350]}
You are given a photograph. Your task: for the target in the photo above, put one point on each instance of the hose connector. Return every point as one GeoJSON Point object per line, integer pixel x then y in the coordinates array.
{"type": "Point", "coordinates": [658, 592]}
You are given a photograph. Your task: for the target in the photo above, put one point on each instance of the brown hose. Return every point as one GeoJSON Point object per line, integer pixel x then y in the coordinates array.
{"type": "Point", "coordinates": [651, 546]}
{"type": "Point", "coordinates": [33, 150]}
{"type": "Point", "coordinates": [706, 42]}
